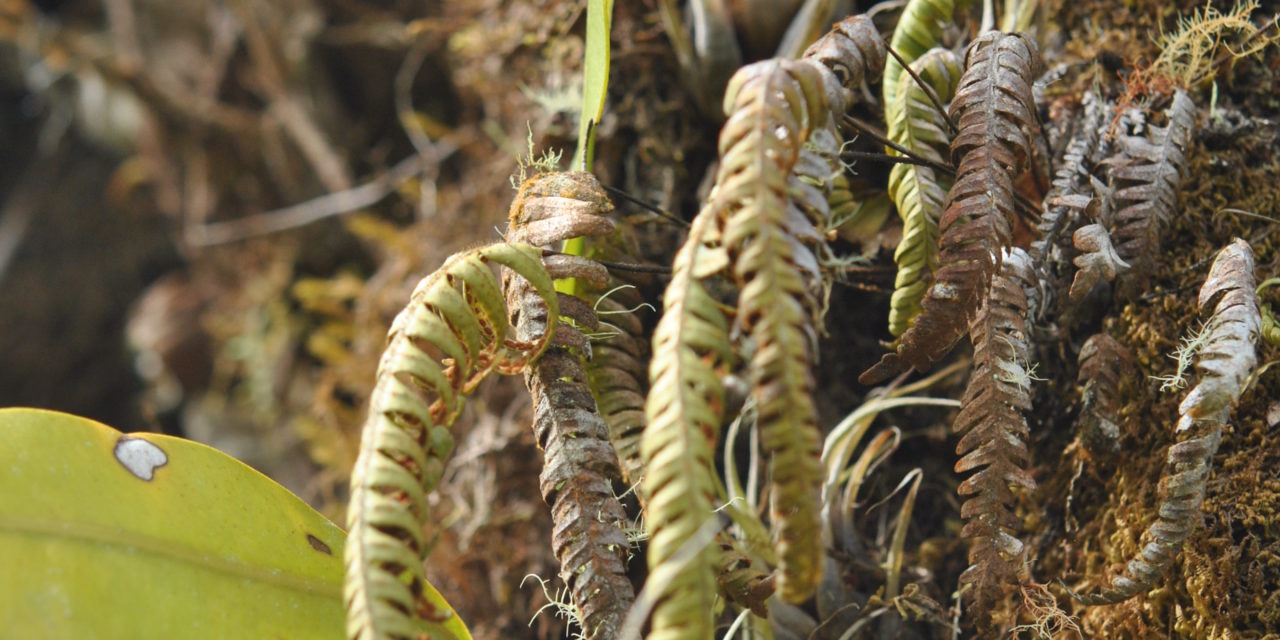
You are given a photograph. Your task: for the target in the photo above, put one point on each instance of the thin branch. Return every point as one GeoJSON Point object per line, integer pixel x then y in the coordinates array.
{"type": "Point", "coordinates": [924, 86]}
{"type": "Point", "coordinates": [305, 213]}
{"type": "Point", "coordinates": [616, 266]}
{"type": "Point", "coordinates": [619, 193]}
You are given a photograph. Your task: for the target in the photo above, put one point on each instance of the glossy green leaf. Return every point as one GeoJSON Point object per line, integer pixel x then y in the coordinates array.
{"type": "Point", "coordinates": [107, 535]}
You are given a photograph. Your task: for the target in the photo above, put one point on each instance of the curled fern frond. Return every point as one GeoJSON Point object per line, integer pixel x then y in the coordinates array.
{"type": "Point", "coordinates": [579, 461]}
{"type": "Point", "coordinates": [854, 51]}
{"type": "Point", "coordinates": [683, 412]}
{"type": "Point", "coordinates": [1147, 181]}
{"type": "Point", "coordinates": [1228, 357]}
{"type": "Point", "coordinates": [919, 30]}
{"type": "Point", "coordinates": [994, 434]}
{"type": "Point", "coordinates": [992, 107]}
{"type": "Point", "coordinates": [919, 190]}
{"type": "Point", "coordinates": [453, 332]}
{"type": "Point", "coordinates": [759, 148]}
{"type": "Point", "coordinates": [1098, 260]}
{"type": "Point", "coordinates": [1104, 366]}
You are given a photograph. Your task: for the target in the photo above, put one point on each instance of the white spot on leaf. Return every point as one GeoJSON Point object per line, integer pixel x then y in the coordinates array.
{"type": "Point", "coordinates": [139, 457]}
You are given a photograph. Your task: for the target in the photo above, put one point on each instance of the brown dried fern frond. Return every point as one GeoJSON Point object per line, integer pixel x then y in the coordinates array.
{"type": "Point", "coordinates": [1104, 366]}
{"type": "Point", "coordinates": [1071, 190]}
{"type": "Point", "coordinates": [453, 332]}
{"type": "Point", "coordinates": [994, 434]}
{"type": "Point", "coordinates": [1227, 358]}
{"type": "Point", "coordinates": [1146, 178]}
{"type": "Point", "coordinates": [579, 465]}
{"type": "Point", "coordinates": [992, 106]}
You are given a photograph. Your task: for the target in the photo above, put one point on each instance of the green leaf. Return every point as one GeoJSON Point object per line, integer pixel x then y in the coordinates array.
{"type": "Point", "coordinates": [595, 86]}
{"type": "Point", "coordinates": [106, 535]}
{"type": "Point", "coordinates": [595, 79]}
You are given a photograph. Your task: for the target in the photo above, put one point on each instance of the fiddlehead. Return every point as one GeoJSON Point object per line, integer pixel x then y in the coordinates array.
{"type": "Point", "coordinates": [992, 106]}
{"type": "Point", "coordinates": [579, 462]}
{"type": "Point", "coordinates": [453, 332]}
{"type": "Point", "coordinates": [919, 190]}
{"type": "Point", "coordinates": [1227, 358]}
{"type": "Point", "coordinates": [994, 434]}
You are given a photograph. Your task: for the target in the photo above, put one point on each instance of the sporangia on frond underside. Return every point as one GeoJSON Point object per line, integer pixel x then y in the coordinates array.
{"type": "Point", "coordinates": [994, 434]}
{"type": "Point", "coordinates": [579, 461]}
{"type": "Point", "coordinates": [992, 106]}
{"type": "Point", "coordinates": [1104, 366]}
{"type": "Point", "coordinates": [919, 190]}
{"type": "Point", "coordinates": [1226, 360]}
{"type": "Point", "coordinates": [453, 332]}
{"type": "Point", "coordinates": [1146, 177]}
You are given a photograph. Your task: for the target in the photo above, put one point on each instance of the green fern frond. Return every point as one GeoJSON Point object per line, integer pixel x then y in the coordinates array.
{"type": "Point", "coordinates": [919, 30]}
{"type": "Point", "coordinates": [918, 190]}
{"type": "Point", "coordinates": [683, 413]}
{"type": "Point", "coordinates": [453, 332]}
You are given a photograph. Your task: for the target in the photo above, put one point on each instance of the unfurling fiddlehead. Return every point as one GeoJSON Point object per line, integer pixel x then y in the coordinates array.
{"type": "Point", "coordinates": [994, 428]}
{"type": "Point", "coordinates": [1226, 359]}
{"type": "Point", "coordinates": [1146, 181]}
{"type": "Point", "coordinates": [992, 106]}
{"type": "Point", "coordinates": [919, 190]}
{"type": "Point", "coordinates": [579, 461]}
{"type": "Point", "coordinates": [453, 332]}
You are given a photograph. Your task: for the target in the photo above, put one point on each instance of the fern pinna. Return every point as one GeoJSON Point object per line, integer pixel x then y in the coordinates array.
{"type": "Point", "coordinates": [994, 432]}
{"type": "Point", "coordinates": [1227, 358]}
{"type": "Point", "coordinates": [992, 106]}
{"type": "Point", "coordinates": [453, 332]}
{"type": "Point", "coordinates": [580, 465]}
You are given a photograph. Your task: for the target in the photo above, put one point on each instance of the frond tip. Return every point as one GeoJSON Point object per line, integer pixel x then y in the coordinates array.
{"type": "Point", "coordinates": [1224, 363]}
{"type": "Point", "coordinates": [453, 332]}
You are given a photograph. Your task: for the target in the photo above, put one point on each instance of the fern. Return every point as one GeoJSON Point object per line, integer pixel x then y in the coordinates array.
{"type": "Point", "coordinates": [580, 464]}
{"type": "Point", "coordinates": [919, 30]}
{"type": "Point", "coordinates": [619, 379]}
{"type": "Point", "coordinates": [917, 190]}
{"type": "Point", "coordinates": [453, 332]}
{"type": "Point", "coordinates": [992, 106]}
{"type": "Point", "coordinates": [1147, 178]}
{"type": "Point", "coordinates": [1224, 363]}
{"type": "Point", "coordinates": [994, 433]}
{"type": "Point", "coordinates": [1104, 366]}
{"type": "Point", "coordinates": [1098, 260]}
{"type": "Point", "coordinates": [1071, 192]}
{"type": "Point", "coordinates": [683, 412]}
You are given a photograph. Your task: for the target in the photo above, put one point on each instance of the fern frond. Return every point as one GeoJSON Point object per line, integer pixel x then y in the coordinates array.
{"type": "Point", "coordinates": [1104, 366]}
{"type": "Point", "coordinates": [854, 51]}
{"type": "Point", "coordinates": [992, 106]}
{"type": "Point", "coordinates": [919, 190]}
{"type": "Point", "coordinates": [1098, 260]}
{"type": "Point", "coordinates": [618, 373]}
{"type": "Point", "coordinates": [453, 332]}
{"type": "Point", "coordinates": [683, 413]}
{"type": "Point", "coordinates": [1227, 359]}
{"type": "Point", "coordinates": [994, 433]}
{"type": "Point", "coordinates": [579, 461]}
{"type": "Point", "coordinates": [759, 147]}
{"type": "Point", "coordinates": [1070, 192]}
{"type": "Point", "coordinates": [1147, 181]}
{"type": "Point", "coordinates": [919, 30]}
